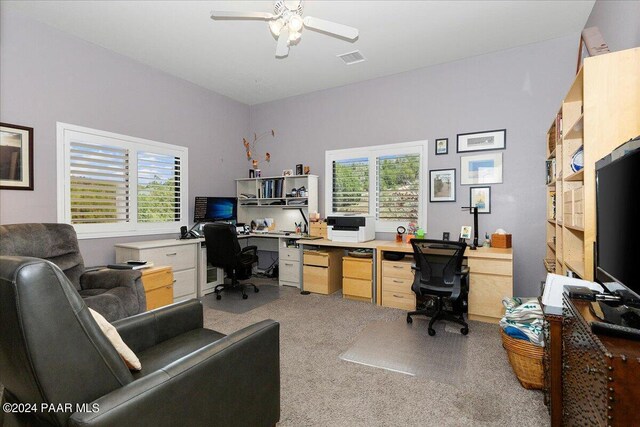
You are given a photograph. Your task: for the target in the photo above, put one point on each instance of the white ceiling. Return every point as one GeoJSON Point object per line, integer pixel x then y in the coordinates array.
{"type": "Point", "coordinates": [236, 58]}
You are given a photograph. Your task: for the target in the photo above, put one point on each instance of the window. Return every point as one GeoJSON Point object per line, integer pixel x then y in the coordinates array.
{"type": "Point", "coordinates": [381, 181]}
{"type": "Point", "coordinates": [116, 185]}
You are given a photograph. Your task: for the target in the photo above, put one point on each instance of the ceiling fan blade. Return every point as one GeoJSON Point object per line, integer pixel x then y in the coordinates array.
{"type": "Point", "coordinates": [282, 49]}
{"type": "Point", "coordinates": [331, 27]}
{"type": "Point", "coordinates": [232, 14]}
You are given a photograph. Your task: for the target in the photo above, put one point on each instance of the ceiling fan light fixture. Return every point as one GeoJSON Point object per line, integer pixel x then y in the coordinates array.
{"type": "Point", "coordinates": [295, 23]}
{"type": "Point", "coordinates": [276, 25]}
{"type": "Point", "coordinates": [294, 36]}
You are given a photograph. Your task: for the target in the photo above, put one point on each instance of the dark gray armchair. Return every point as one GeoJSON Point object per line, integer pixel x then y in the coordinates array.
{"type": "Point", "coordinates": [53, 354]}
{"type": "Point", "coordinates": [113, 293]}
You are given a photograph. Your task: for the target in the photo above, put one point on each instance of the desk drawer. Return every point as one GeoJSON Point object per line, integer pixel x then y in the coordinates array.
{"type": "Point", "coordinates": [398, 300]}
{"type": "Point", "coordinates": [501, 267]}
{"type": "Point", "coordinates": [179, 257]}
{"type": "Point", "coordinates": [316, 279]}
{"type": "Point", "coordinates": [356, 287]}
{"type": "Point", "coordinates": [486, 293]}
{"type": "Point", "coordinates": [357, 268]}
{"type": "Point", "coordinates": [319, 259]}
{"type": "Point", "coordinates": [398, 269]}
{"type": "Point", "coordinates": [184, 283]}
{"type": "Point", "coordinates": [158, 278]}
{"type": "Point", "coordinates": [159, 297]}
{"type": "Point", "coordinates": [289, 254]}
{"type": "Point", "coordinates": [289, 271]}
{"type": "Point", "coordinates": [393, 284]}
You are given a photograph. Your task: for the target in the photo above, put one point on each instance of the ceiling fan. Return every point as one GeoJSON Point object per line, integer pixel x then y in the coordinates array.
{"type": "Point", "coordinates": [286, 23]}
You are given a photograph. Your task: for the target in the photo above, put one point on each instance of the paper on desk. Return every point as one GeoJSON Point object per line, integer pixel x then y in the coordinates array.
{"type": "Point", "coordinates": [553, 287]}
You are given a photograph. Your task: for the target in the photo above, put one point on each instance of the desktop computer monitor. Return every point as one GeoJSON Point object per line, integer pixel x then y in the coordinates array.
{"type": "Point", "coordinates": [209, 209]}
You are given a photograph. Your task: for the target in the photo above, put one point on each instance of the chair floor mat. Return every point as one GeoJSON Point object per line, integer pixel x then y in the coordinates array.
{"type": "Point", "coordinates": [407, 348]}
{"type": "Point", "coordinates": [232, 301]}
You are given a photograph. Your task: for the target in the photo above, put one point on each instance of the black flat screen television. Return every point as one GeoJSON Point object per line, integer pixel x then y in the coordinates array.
{"type": "Point", "coordinates": [209, 209]}
{"type": "Point", "coordinates": [618, 218]}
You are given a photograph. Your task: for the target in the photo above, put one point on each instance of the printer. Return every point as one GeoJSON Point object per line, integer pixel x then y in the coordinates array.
{"type": "Point", "coordinates": [351, 228]}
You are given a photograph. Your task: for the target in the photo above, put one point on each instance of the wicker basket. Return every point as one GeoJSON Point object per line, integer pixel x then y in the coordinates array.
{"type": "Point", "coordinates": [526, 361]}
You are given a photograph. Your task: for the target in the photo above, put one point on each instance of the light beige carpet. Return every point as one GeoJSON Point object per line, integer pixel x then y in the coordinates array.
{"type": "Point", "coordinates": [320, 389]}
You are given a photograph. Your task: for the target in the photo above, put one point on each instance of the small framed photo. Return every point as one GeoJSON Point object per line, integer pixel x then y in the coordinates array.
{"type": "Point", "coordinates": [465, 232]}
{"type": "Point", "coordinates": [481, 169]}
{"type": "Point", "coordinates": [480, 141]}
{"type": "Point", "coordinates": [16, 157]}
{"type": "Point", "coordinates": [443, 185]}
{"type": "Point", "coordinates": [287, 172]}
{"type": "Point", "coordinates": [480, 197]}
{"type": "Point", "coordinates": [252, 173]}
{"type": "Point", "coordinates": [445, 236]}
{"type": "Point", "coordinates": [442, 146]}
{"type": "Point", "coordinates": [299, 169]}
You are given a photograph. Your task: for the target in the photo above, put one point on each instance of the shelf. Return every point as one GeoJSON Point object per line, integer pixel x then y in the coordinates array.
{"type": "Point", "coordinates": [550, 265]}
{"type": "Point", "coordinates": [575, 228]}
{"type": "Point", "coordinates": [575, 131]}
{"type": "Point", "coordinates": [552, 221]}
{"type": "Point", "coordinates": [262, 178]}
{"type": "Point", "coordinates": [576, 176]}
{"type": "Point", "coordinates": [553, 154]}
{"type": "Point", "coordinates": [576, 266]}
{"type": "Point", "coordinates": [559, 223]}
{"type": "Point", "coordinates": [552, 183]}
{"type": "Point", "coordinates": [552, 246]}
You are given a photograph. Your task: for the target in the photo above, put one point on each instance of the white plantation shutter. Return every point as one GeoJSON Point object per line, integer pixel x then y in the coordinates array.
{"type": "Point", "coordinates": [398, 187]}
{"type": "Point", "coordinates": [99, 178]}
{"type": "Point", "coordinates": [116, 185]}
{"type": "Point", "coordinates": [351, 186]}
{"type": "Point", "coordinates": [159, 186]}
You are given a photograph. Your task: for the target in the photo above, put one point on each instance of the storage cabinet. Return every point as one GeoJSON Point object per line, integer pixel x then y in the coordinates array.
{"type": "Point", "coordinates": [180, 255]}
{"type": "Point", "coordinates": [600, 112]}
{"type": "Point", "coordinates": [289, 265]}
{"type": "Point", "coordinates": [322, 271]}
{"type": "Point", "coordinates": [397, 278]}
{"type": "Point", "coordinates": [490, 280]}
{"type": "Point", "coordinates": [158, 286]}
{"type": "Point", "coordinates": [357, 277]}
{"type": "Point", "coordinates": [318, 229]}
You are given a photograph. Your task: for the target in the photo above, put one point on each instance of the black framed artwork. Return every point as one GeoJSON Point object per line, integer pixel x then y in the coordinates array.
{"type": "Point", "coordinates": [442, 146]}
{"type": "Point", "coordinates": [480, 197]}
{"type": "Point", "coordinates": [481, 141]}
{"type": "Point", "coordinates": [442, 186]}
{"type": "Point", "coordinates": [16, 157]}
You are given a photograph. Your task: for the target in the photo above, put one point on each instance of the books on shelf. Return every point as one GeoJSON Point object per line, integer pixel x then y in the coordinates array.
{"type": "Point", "coordinates": [271, 189]}
{"type": "Point", "coordinates": [551, 170]}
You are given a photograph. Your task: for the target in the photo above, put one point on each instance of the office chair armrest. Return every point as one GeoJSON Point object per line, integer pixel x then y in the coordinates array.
{"type": "Point", "coordinates": [415, 267]}
{"type": "Point", "coordinates": [109, 279]}
{"type": "Point", "coordinates": [145, 330]}
{"type": "Point", "coordinates": [223, 383]}
{"type": "Point", "coordinates": [463, 272]}
{"type": "Point", "coordinates": [251, 248]}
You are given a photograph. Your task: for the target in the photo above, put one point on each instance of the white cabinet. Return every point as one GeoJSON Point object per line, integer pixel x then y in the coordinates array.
{"type": "Point", "coordinates": [181, 255]}
{"type": "Point", "coordinates": [289, 265]}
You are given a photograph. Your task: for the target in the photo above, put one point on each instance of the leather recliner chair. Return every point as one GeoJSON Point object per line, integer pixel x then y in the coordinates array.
{"type": "Point", "coordinates": [57, 363]}
{"type": "Point", "coordinates": [113, 293]}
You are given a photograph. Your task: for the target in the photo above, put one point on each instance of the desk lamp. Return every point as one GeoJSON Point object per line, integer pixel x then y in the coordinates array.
{"type": "Point", "coordinates": [474, 211]}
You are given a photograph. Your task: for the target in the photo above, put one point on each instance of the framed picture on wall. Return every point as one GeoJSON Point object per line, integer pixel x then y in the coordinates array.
{"type": "Point", "coordinates": [442, 146]}
{"type": "Point", "coordinates": [480, 197]}
{"type": "Point", "coordinates": [442, 185]}
{"type": "Point", "coordinates": [16, 157]}
{"type": "Point", "coordinates": [481, 141]}
{"type": "Point", "coordinates": [481, 169]}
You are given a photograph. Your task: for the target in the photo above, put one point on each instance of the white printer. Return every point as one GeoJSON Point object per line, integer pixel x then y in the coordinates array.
{"type": "Point", "coordinates": [351, 228]}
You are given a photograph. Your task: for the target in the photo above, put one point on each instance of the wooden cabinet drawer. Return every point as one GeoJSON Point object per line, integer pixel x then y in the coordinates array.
{"type": "Point", "coordinates": [398, 269]}
{"type": "Point", "coordinates": [316, 279]}
{"type": "Point", "coordinates": [179, 257]}
{"type": "Point", "coordinates": [490, 266]}
{"type": "Point", "coordinates": [159, 297]}
{"type": "Point", "coordinates": [356, 287]}
{"type": "Point", "coordinates": [289, 254]}
{"type": "Point", "coordinates": [184, 283]}
{"type": "Point", "coordinates": [398, 300]}
{"type": "Point", "coordinates": [393, 284]}
{"type": "Point", "coordinates": [320, 259]}
{"type": "Point", "coordinates": [289, 271]}
{"type": "Point", "coordinates": [357, 268]}
{"type": "Point", "coordinates": [154, 278]}
{"type": "Point", "coordinates": [486, 293]}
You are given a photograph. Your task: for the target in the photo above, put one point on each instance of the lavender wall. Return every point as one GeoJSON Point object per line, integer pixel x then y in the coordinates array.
{"type": "Point", "coordinates": [518, 89]}
{"type": "Point", "coordinates": [49, 76]}
{"type": "Point", "coordinates": [618, 21]}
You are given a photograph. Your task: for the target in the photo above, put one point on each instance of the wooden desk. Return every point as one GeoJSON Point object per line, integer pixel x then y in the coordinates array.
{"type": "Point", "coordinates": [490, 278]}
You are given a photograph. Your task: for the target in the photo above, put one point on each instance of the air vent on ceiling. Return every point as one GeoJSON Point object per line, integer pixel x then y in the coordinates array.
{"type": "Point", "coordinates": [352, 57]}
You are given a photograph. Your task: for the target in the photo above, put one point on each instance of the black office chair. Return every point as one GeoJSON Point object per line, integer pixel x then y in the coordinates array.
{"type": "Point", "coordinates": [223, 251]}
{"type": "Point", "coordinates": [440, 282]}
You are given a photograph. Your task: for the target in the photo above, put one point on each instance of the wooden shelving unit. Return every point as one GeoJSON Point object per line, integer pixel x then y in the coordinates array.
{"type": "Point", "coordinates": [601, 111]}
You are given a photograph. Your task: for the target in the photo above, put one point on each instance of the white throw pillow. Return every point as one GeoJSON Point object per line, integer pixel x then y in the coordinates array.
{"type": "Point", "coordinates": [127, 355]}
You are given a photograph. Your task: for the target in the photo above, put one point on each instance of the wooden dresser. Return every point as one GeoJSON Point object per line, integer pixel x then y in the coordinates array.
{"type": "Point", "coordinates": [600, 374]}
{"type": "Point", "coordinates": [158, 286]}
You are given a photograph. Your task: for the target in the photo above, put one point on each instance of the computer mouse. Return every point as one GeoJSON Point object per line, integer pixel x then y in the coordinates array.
{"type": "Point", "coordinates": [286, 234]}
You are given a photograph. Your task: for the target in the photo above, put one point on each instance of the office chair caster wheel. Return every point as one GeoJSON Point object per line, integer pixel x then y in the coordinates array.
{"type": "Point", "coordinates": [245, 296]}
{"type": "Point", "coordinates": [432, 332]}
{"type": "Point", "coordinates": [409, 319]}
{"type": "Point", "coordinates": [256, 290]}
{"type": "Point", "coordinates": [218, 296]}
{"type": "Point", "coordinates": [464, 331]}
